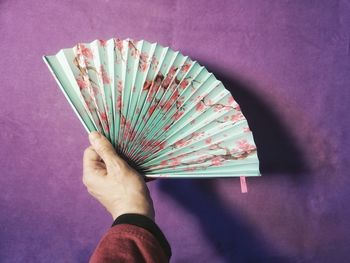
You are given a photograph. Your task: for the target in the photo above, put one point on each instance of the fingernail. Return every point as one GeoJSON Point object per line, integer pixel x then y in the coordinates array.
{"type": "Point", "coordinates": [94, 135]}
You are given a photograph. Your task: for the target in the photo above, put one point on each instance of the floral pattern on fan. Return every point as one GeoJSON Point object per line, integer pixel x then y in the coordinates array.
{"type": "Point", "coordinates": [160, 109]}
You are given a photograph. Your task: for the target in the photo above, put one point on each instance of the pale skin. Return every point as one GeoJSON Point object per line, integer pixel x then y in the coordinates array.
{"type": "Point", "coordinates": [113, 182]}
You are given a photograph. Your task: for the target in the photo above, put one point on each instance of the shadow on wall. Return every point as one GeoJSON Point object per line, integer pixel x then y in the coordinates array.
{"type": "Point", "coordinates": [277, 151]}
{"type": "Point", "coordinates": [232, 236]}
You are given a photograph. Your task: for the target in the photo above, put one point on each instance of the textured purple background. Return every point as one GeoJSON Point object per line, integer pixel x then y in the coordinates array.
{"type": "Point", "coordinates": [286, 62]}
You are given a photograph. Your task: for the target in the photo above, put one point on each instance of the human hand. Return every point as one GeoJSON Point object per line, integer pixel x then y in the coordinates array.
{"type": "Point", "coordinates": [113, 182]}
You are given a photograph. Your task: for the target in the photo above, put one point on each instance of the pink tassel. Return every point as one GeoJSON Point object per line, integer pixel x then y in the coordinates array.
{"type": "Point", "coordinates": [244, 188]}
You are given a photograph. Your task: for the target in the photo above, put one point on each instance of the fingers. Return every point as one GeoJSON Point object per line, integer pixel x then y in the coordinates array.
{"type": "Point", "coordinates": [90, 155]}
{"type": "Point", "coordinates": [104, 149]}
{"type": "Point", "coordinates": [91, 160]}
{"type": "Point", "coordinates": [92, 165]}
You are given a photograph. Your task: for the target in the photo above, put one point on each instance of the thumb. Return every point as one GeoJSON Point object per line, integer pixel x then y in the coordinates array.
{"type": "Point", "coordinates": [104, 149]}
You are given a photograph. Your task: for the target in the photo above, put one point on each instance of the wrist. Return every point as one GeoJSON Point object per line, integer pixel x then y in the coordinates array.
{"type": "Point", "coordinates": [141, 209]}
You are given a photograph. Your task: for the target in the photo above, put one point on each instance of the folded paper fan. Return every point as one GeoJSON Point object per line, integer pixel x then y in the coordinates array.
{"type": "Point", "coordinates": [161, 110]}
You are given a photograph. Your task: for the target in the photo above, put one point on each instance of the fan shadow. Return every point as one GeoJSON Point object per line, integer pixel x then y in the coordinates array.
{"type": "Point", "coordinates": [277, 151]}
{"type": "Point", "coordinates": [233, 238]}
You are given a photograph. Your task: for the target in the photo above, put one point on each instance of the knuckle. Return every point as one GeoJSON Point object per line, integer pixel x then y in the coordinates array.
{"type": "Point", "coordinates": [104, 149]}
{"type": "Point", "coordinates": [119, 167]}
{"type": "Point", "coordinates": [87, 151]}
{"type": "Point", "coordinates": [86, 180]}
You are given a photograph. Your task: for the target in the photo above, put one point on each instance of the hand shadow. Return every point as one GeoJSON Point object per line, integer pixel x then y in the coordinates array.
{"type": "Point", "coordinates": [278, 153]}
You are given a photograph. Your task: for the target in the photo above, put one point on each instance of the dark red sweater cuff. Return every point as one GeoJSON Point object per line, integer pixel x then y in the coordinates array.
{"type": "Point", "coordinates": [148, 224]}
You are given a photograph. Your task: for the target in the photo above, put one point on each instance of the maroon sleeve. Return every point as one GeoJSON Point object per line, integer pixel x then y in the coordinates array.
{"type": "Point", "coordinates": [132, 238]}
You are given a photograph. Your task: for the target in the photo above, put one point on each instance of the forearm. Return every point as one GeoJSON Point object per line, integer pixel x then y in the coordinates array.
{"type": "Point", "coordinates": [132, 238]}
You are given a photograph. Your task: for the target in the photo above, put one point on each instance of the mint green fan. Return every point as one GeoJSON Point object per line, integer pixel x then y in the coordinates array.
{"type": "Point", "coordinates": [161, 110]}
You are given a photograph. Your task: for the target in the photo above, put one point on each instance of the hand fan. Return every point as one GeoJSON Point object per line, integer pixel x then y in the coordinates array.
{"type": "Point", "coordinates": [162, 111]}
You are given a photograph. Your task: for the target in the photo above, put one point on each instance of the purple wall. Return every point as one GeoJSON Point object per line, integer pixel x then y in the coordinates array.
{"type": "Point", "coordinates": [286, 62]}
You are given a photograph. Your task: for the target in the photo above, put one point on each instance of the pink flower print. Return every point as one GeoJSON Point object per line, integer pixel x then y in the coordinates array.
{"type": "Point", "coordinates": [169, 77]}
{"type": "Point", "coordinates": [202, 159]}
{"type": "Point", "coordinates": [126, 134]}
{"type": "Point", "coordinates": [180, 101]}
{"type": "Point", "coordinates": [104, 75]}
{"type": "Point", "coordinates": [193, 121]}
{"type": "Point", "coordinates": [213, 147]}
{"type": "Point", "coordinates": [85, 51]}
{"type": "Point", "coordinates": [201, 97]}
{"type": "Point", "coordinates": [142, 66]}
{"type": "Point", "coordinates": [226, 118]}
{"type": "Point", "coordinates": [144, 57]}
{"type": "Point", "coordinates": [181, 143]}
{"type": "Point", "coordinates": [189, 169]}
{"type": "Point", "coordinates": [163, 163]}
{"type": "Point", "coordinates": [183, 84]}
{"type": "Point", "coordinates": [200, 106]}
{"type": "Point", "coordinates": [171, 101]}
{"type": "Point", "coordinates": [127, 125]}
{"type": "Point", "coordinates": [143, 61]}
{"type": "Point", "coordinates": [166, 82]}
{"type": "Point", "coordinates": [119, 44]}
{"type": "Point", "coordinates": [185, 67]}
{"type": "Point", "coordinates": [151, 93]}
{"type": "Point", "coordinates": [216, 161]}
{"type": "Point", "coordinates": [133, 135]}
{"type": "Point", "coordinates": [133, 89]}
{"type": "Point", "coordinates": [83, 84]}
{"type": "Point", "coordinates": [166, 127]}
{"type": "Point", "coordinates": [151, 109]}
{"type": "Point", "coordinates": [172, 71]}
{"type": "Point", "coordinates": [102, 42]}
{"type": "Point", "coordinates": [246, 129]}
{"type": "Point", "coordinates": [231, 100]}
{"type": "Point", "coordinates": [177, 115]}
{"type": "Point", "coordinates": [133, 49]}
{"type": "Point", "coordinates": [176, 94]}
{"type": "Point", "coordinates": [208, 141]}
{"type": "Point", "coordinates": [167, 106]}
{"type": "Point", "coordinates": [154, 62]}
{"type": "Point", "coordinates": [103, 116]}
{"type": "Point", "coordinates": [122, 120]}
{"type": "Point", "coordinates": [96, 91]}
{"type": "Point", "coordinates": [120, 86]}
{"type": "Point", "coordinates": [161, 145]}
{"type": "Point", "coordinates": [174, 162]}
{"type": "Point", "coordinates": [147, 85]}
{"type": "Point", "coordinates": [119, 103]}
{"type": "Point", "coordinates": [234, 151]}
{"type": "Point", "coordinates": [245, 146]}
{"type": "Point", "coordinates": [196, 135]}
{"type": "Point", "coordinates": [217, 108]}
{"type": "Point", "coordinates": [236, 117]}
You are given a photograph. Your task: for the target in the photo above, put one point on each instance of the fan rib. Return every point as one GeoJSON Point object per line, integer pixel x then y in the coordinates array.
{"type": "Point", "coordinates": [67, 68]}
{"type": "Point", "coordinates": [174, 57]}
{"type": "Point", "coordinates": [172, 107]}
{"type": "Point", "coordinates": [143, 96]}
